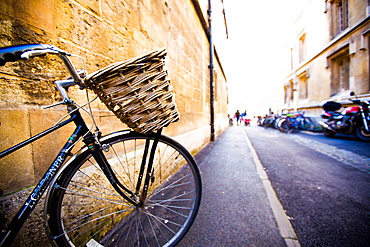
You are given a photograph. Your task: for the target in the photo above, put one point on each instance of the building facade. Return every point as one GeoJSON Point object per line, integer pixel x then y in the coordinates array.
{"type": "Point", "coordinates": [103, 32]}
{"type": "Point", "coordinates": [329, 54]}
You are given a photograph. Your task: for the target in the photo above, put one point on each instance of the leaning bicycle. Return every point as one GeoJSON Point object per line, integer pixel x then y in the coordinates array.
{"type": "Point", "coordinates": [295, 121]}
{"type": "Point", "coordinates": [127, 188]}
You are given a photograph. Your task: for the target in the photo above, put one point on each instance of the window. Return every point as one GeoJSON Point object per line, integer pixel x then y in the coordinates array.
{"type": "Point", "coordinates": [339, 16]}
{"type": "Point", "coordinates": [303, 90]}
{"type": "Point", "coordinates": [285, 94]}
{"type": "Point", "coordinates": [340, 63]}
{"type": "Point", "coordinates": [289, 92]}
{"type": "Point", "coordinates": [291, 86]}
{"type": "Point", "coordinates": [302, 48]}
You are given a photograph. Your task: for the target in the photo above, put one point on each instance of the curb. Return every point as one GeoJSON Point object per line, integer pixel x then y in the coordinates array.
{"type": "Point", "coordinates": [285, 228]}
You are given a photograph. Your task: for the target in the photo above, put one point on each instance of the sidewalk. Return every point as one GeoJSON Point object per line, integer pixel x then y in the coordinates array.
{"type": "Point", "coordinates": [239, 206]}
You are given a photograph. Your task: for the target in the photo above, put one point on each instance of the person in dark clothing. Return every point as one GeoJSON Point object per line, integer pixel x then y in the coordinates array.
{"type": "Point", "coordinates": [237, 116]}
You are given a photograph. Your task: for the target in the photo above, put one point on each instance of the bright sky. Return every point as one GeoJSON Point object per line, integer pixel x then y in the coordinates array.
{"type": "Point", "coordinates": [256, 53]}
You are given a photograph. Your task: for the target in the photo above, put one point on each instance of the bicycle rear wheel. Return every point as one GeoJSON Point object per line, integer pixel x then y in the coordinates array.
{"type": "Point", "coordinates": [306, 124]}
{"type": "Point", "coordinates": [83, 209]}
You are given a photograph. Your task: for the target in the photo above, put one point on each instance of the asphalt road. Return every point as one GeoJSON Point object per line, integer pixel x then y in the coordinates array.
{"type": "Point", "coordinates": [323, 186]}
{"type": "Point", "coordinates": [322, 183]}
{"type": "Point", "coordinates": [234, 210]}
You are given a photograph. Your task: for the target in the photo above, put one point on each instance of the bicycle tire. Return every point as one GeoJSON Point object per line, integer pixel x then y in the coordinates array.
{"type": "Point", "coordinates": [306, 124]}
{"type": "Point", "coordinates": [83, 209]}
{"type": "Point", "coordinates": [285, 126]}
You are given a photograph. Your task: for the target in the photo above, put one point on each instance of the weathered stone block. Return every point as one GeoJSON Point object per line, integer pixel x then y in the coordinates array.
{"type": "Point", "coordinates": [17, 169]}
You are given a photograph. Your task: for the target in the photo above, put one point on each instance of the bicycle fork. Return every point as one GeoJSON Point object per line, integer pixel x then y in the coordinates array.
{"type": "Point", "coordinates": [150, 169]}
{"type": "Point", "coordinates": [146, 168]}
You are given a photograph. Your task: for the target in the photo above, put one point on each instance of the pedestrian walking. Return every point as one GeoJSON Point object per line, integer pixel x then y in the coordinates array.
{"type": "Point", "coordinates": [237, 116]}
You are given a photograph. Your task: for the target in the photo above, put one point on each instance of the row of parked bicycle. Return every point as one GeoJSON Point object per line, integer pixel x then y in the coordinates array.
{"type": "Point", "coordinates": [287, 122]}
{"type": "Point", "coordinates": [352, 119]}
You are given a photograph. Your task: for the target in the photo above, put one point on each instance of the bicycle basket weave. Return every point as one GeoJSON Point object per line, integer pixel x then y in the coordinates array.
{"type": "Point", "coordinates": [137, 91]}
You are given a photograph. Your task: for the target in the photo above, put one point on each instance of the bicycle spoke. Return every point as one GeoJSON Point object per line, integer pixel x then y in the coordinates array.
{"type": "Point", "coordinates": [90, 211]}
{"type": "Point", "coordinates": [164, 222]}
{"type": "Point", "coordinates": [125, 168]}
{"type": "Point", "coordinates": [151, 222]}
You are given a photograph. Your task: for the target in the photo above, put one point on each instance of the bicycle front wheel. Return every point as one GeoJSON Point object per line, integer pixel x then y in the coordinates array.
{"type": "Point", "coordinates": [285, 126]}
{"type": "Point", "coordinates": [83, 208]}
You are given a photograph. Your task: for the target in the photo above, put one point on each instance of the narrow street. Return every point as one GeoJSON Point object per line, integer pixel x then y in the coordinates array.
{"type": "Point", "coordinates": [322, 184]}
{"type": "Point", "coordinates": [234, 210]}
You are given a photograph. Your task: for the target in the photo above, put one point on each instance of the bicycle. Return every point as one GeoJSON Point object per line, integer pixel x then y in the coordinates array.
{"type": "Point", "coordinates": [122, 189]}
{"type": "Point", "coordinates": [295, 121]}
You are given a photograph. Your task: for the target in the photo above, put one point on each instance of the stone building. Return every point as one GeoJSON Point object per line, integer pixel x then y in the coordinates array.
{"type": "Point", "coordinates": [329, 54]}
{"type": "Point", "coordinates": [104, 32]}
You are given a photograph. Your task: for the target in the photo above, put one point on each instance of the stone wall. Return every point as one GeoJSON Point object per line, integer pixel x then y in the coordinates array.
{"type": "Point", "coordinates": [102, 32]}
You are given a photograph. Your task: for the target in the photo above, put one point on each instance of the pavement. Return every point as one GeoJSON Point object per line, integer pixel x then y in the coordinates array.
{"type": "Point", "coordinates": [239, 206]}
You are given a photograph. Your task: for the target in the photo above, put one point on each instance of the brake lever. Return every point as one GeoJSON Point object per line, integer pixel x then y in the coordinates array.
{"type": "Point", "coordinates": [64, 102]}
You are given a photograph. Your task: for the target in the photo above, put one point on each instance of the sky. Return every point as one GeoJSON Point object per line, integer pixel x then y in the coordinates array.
{"type": "Point", "coordinates": [257, 52]}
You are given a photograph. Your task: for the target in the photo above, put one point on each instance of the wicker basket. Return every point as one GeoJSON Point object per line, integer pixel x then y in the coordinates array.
{"type": "Point", "coordinates": [137, 91]}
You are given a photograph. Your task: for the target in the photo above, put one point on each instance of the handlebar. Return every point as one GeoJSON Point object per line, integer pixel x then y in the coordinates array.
{"type": "Point", "coordinates": [24, 52]}
{"type": "Point", "coordinates": [15, 53]}
{"type": "Point", "coordinates": [37, 53]}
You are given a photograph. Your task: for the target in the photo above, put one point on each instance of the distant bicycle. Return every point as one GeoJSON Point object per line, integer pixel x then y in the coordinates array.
{"type": "Point", "coordinates": [268, 121]}
{"type": "Point", "coordinates": [121, 189]}
{"type": "Point", "coordinates": [295, 121]}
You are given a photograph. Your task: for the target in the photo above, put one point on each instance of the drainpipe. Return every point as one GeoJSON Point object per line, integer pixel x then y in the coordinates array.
{"type": "Point", "coordinates": [211, 85]}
